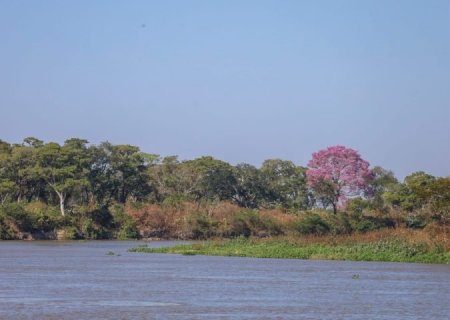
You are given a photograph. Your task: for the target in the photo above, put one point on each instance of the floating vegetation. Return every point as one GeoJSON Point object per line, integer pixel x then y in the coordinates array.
{"type": "Point", "coordinates": [391, 249]}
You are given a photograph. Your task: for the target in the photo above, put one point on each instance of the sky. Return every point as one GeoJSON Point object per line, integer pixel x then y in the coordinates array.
{"type": "Point", "coordinates": [242, 81]}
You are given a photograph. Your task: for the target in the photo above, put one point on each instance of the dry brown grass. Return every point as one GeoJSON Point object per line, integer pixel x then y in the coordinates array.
{"type": "Point", "coordinates": [178, 221]}
{"type": "Point", "coordinates": [154, 220]}
{"type": "Point", "coordinates": [283, 218]}
{"type": "Point", "coordinates": [430, 237]}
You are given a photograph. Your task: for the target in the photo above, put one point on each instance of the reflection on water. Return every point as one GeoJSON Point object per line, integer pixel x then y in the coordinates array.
{"type": "Point", "coordinates": [76, 280]}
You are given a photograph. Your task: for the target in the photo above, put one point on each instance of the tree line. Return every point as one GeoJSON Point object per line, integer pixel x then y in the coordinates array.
{"type": "Point", "coordinates": [77, 175]}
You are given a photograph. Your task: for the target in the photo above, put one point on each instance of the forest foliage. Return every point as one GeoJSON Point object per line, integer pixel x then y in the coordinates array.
{"type": "Point", "coordinates": [78, 190]}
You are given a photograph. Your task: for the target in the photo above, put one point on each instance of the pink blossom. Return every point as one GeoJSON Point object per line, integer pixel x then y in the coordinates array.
{"type": "Point", "coordinates": [342, 170]}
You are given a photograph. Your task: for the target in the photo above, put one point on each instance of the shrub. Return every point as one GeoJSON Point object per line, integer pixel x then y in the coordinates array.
{"type": "Point", "coordinates": [90, 230]}
{"type": "Point", "coordinates": [203, 226]}
{"type": "Point", "coordinates": [43, 217]}
{"type": "Point", "coordinates": [312, 224]}
{"type": "Point", "coordinates": [339, 223]}
{"type": "Point", "coordinates": [416, 220]}
{"type": "Point", "coordinates": [6, 232]}
{"type": "Point", "coordinates": [372, 222]}
{"type": "Point", "coordinates": [357, 206]}
{"type": "Point", "coordinates": [123, 223]}
{"type": "Point", "coordinates": [250, 223]}
{"type": "Point", "coordinates": [127, 231]}
{"type": "Point", "coordinates": [69, 233]}
{"type": "Point", "coordinates": [364, 226]}
{"type": "Point", "coordinates": [16, 218]}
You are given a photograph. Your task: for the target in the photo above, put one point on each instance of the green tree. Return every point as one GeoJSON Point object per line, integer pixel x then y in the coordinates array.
{"type": "Point", "coordinates": [172, 179]}
{"type": "Point", "coordinates": [419, 183]}
{"type": "Point", "coordinates": [128, 173]}
{"type": "Point", "coordinates": [7, 186]}
{"type": "Point", "coordinates": [100, 173]}
{"type": "Point", "coordinates": [32, 142]}
{"type": "Point", "coordinates": [214, 178]}
{"type": "Point", "coordinates": [7, 189]}
{"type": "Point", "coordinates": [5, 147]}
{"type": "Point", "coordinates": [17, 167]}
{"type": "Point", "coordinates": [439, 198]}
{"type": "Point", "coordinates": [413, 194]}
{"type": "Point", "coordinates": [383, 181]}
{"type": "Point", "coordinates": [248, 187]}
{"type": "Point", "coordinates": [284, 184]}
{"type": "Point", "coordinates": [64, 169]}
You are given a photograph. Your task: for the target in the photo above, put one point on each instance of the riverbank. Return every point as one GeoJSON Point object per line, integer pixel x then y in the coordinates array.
{"type": "Point", "coordinates": [385, 245]}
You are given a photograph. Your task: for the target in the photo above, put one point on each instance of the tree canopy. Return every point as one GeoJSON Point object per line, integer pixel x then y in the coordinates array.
{"type": "Point", "coordinates": [93, 191]}
{"type": "Point", "coordinates": [336, 173]}
{"type": "Point", "coordinates": [77, 173]}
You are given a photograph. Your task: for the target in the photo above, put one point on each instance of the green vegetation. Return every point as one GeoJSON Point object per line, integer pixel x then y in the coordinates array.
{"type": "Point", "coordinates": [393, 249]}
{"type": "Point", "coordinates": [81, 191]}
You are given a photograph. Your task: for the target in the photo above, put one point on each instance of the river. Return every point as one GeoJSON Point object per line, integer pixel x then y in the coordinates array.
{"type": "Point", "coordinates": [80, 280]}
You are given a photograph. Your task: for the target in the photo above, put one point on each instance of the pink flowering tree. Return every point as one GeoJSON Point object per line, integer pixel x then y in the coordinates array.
{"type": "Point", "coordinates": [336, 174]}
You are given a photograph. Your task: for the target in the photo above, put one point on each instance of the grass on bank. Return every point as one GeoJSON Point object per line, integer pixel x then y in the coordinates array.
{"type": "Point", "coordinates": [383, 245]}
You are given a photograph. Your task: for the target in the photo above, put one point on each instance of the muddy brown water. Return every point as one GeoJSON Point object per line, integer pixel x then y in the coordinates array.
{"type": "Point", "coordinates": [79, 280]}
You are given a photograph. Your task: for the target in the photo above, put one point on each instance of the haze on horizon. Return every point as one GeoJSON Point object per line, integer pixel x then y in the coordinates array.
{"type": "Point", "coordinates": [243, 81]}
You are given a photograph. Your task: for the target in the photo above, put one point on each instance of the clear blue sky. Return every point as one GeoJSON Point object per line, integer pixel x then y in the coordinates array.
{"type": "Point", "coordinates": [242, 81]}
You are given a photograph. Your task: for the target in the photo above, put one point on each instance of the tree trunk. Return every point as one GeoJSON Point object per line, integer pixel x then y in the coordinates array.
{"type": "Point", "coordinates": [62, 197]}
{"type": "Point", "coordinates": [335, 202]}
{"type": "Point", "coordinates": [61, 206]}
